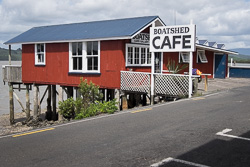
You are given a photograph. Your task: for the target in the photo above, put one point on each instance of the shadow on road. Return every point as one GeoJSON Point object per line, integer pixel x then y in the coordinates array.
{"type": "Point", "coordinates": [222, 152]}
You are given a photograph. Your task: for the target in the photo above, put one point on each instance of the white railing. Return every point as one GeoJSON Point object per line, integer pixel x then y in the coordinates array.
{"type": "Point", "coordinates": [165, 84]}
{"type": "Point", "coordinates": [171, 84]}
{"type": "Point", "coordinates": [12, 73]}
{"type": "Point", "coordinates": [135, 81]}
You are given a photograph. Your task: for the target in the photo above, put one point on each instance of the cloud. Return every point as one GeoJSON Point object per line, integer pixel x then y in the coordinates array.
{"type": "Point", "coordinates": [215, 19]}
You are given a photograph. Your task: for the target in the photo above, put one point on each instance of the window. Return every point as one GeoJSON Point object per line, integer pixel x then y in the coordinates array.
{"type": "Point", "coordinates": [40, 54]}
{"type": "Point", "coordinates": [137, 55]}
{"type": "Point", "coordinates": [201, 57]}
{"type": "Point", "coordinates": [92, 56]}
{"type": "Point", "coordinates": [84, 57]}
{"type": "Point", "coordinates": [77, 55]}
{"type": "Point", "coordinates": [184, 57]}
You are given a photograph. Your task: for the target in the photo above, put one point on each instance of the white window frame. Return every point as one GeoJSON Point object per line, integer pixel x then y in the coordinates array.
{"type": "Point", "coordinates": [201, 56]}
{"type": "Point", "coordinates": [36, 54]}
{"type": "Point", "coordinates": [184, 57]}
{"type": "Point", "coordinates": [84, 58]}
{"type": "Point", "coordinates": [139, 64]}
{"type": "Point", "coordinates": [92, 56]}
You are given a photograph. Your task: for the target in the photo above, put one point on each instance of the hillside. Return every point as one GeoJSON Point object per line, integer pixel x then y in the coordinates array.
{"type": "Point", "coordinates": [16, 55]}
{"type": "Point", "coordinates": [243, 57]}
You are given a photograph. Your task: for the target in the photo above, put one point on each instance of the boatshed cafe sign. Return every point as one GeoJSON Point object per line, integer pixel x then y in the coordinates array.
{"type": "Point", "coordinates": [172, 38]}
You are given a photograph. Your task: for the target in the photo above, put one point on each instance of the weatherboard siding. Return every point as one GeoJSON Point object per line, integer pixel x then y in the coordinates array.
{"type": "Point", "coordinates": [56, 70]}
{"type": "Point", "coordinates": [206, 68]}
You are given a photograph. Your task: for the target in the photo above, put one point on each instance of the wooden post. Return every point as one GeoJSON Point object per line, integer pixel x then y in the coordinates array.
{"type": "Point", "coordinates": [35, 117]}
{"type": "Point", "coordinates": [60, 98]}
{"type": "Point", "coordinates": [11, 104]}
{"type": "Point", "coordinates": [49, 112]}
{"type": "Point", "coordinates": [9, 54]}
{"type": "Point", "coordinates": [54, 117]}
{"type": "Point", "coordinates": [206, 83]}
{"type": "Point", "coordinates": [39, 102]}
{"type": "Point", "coordinates": [105, 95]}
{"type": "Point", "coordinates": [27, 103]}
{"type": "Point", "coordinates": [117, 98]}
{"type": "Point", "coordinates": [124, 102]}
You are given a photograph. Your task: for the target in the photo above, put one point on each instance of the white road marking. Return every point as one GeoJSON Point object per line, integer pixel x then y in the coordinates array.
{"type": "Point", "coordinates": [223, 133]}
{"type": "Point", "coordinates": [170, 159]}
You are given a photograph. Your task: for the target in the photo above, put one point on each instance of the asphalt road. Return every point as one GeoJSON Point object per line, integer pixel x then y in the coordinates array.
{"type": "Point", "coordinates": [186, 131]}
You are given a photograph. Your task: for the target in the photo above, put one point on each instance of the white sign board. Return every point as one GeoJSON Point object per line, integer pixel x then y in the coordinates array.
{"type": "Point", "coordinates": [173, 38]}
{"type": "Point", "coordinates": [142, 38]}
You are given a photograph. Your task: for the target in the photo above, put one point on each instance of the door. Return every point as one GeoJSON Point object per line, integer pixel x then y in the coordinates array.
{"type": "Point", "coordinates": [220, 66]}
{"type": "Point", "coordinates": [158, 62]}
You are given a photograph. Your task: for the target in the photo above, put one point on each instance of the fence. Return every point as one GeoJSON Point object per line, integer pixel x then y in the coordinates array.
{"type": "Point", "coordinates": [12, 73]}
{"type": "Point", "coordinates": [165, 84]}
{"type": "Point", "coordinates": [135, 81]}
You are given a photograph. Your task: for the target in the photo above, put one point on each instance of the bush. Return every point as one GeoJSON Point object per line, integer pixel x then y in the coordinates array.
{"type": "Point", "coordinates": [88, 104]}
{"type": "Point", "coordinates": [67, 108]}
{"type": "Point", "coordinates": [108, 106]}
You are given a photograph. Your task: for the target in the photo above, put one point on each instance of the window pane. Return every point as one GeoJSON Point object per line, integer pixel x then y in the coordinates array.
{"type": "Point", "coordinates": [79, 48]}
{"type": "Point", "coordinates": [42, 47]}
{"type": "Point", "coordinates": [74, 63]}
{"type": "Point", "coordinates": [89, 63]}
{"type": "Point", "coordinates": [74, 48]}
{"type": "Point", "coordinates": [137, 55]}
{"type": "Point", "coordinates": [130, 55]}
{"type": "Point", "coordinates": [38, 47]}
{"type": "Point", "coordinates": [95, 63]}
{"type": "Point", "coordinates": [79, 63]}
{"type": "Point", "coordinates": [89, 48]}
{"type": "Point", "coordinates": [143, 55]}
{"type": "Point", "coordinates": [95, 48]}
{"type": "Point", "coordinates": [148, 56]}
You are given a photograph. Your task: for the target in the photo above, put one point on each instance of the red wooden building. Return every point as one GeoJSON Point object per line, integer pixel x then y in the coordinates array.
{"type": "Point", "coordinates": [98, 51]}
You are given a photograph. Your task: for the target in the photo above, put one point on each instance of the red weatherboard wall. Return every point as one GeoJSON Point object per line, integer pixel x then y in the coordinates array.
{"type": "Point", "coordinates": [206, 68]}
{"type": "Point", "coordinates": [57, 65]}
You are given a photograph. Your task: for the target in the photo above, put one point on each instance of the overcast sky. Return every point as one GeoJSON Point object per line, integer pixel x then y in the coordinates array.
{"type": "Point", "coordinates": [222, 21]}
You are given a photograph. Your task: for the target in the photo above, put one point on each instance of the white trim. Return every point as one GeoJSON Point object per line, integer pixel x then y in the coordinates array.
{"type": "Point", "coordinates": [152, 22]}
{"type": "Point", "coordinates": [74, 40]}
{"type": "Point", "coordinates": [84, 58]}
{"type": "Point", "coordinates": [198, 57]}
{"type": "Point", "coordinates": [133, 55]}
{"type": "Point", "coordinates": [181, 54]}
{"type": "Point", "coordinates": [216, 49]}
{"type": "Point", "coordinates": [44, 55]}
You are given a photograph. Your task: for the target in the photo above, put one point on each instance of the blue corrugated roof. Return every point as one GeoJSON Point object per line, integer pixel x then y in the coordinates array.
{"type": "Point", "coordinates": [86, 30]}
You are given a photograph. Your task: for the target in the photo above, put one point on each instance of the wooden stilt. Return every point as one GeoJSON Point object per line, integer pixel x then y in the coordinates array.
{"type": "Point", "coordinates": [124, 102]}
{"type": "Point", "coordinates": [27, 103]}
{"type": "Point", "coordinates": [60, 98]}
{"type": "Point", "coordinates": [9, 54]}
{"type": "Point", "coordinates": [54, 115]}
{"type": "Point", "coordinates": [117, 97]}
{"type": "Point", "coordinates": [49, 112]}
{"type": "Point", "coordinates": [35, 117]}
{"type": "Point", "coordinates": [11, 104]}
{"type": "Point", "coordinates": [39, 102]}
{"type": "Point", "coordinates": [105, 94]}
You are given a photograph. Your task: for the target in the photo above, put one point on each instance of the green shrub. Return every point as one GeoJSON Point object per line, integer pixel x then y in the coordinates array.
{"type": "Point", "coordinates": [87, 105]}
{"type": "Point", "coordinates": [67, 108]}
{"type": "Point", "coordinates": [108, 106]}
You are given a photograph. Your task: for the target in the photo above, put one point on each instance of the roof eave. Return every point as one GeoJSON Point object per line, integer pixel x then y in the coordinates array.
{"type": "Point", "coordinates": [216, 49]}
{"type": "Point", "coordinates": [72, 40]}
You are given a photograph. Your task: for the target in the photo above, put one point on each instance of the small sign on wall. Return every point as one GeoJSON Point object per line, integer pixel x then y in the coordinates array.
{"type": "Point", "coordinates": [142, 38]}
{"type": "Point", "coordinates": [173, 38]}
